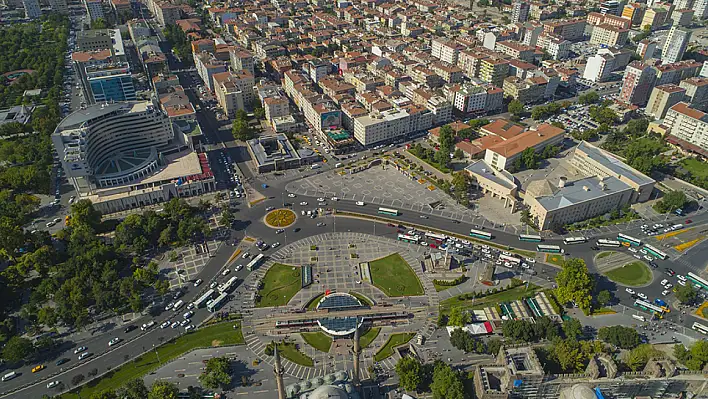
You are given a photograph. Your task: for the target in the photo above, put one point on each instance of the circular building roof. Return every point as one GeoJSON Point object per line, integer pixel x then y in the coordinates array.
{"type": "Point", "coordinates": [339, 301]}
{"type": "Point", "coordinates": [339, 326]}
{"type": "Point", "coordinates": [578, 391]}
{"type": "Point", "coordinates": [328, 392]}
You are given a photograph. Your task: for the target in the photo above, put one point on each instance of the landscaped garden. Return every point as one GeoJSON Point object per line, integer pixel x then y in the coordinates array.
{"type": "Point", "coordinates": [393, 341]}
{"type": "Point", "coordinates": [465, 301]}
{"type": "Point", "coordinates": [280, 218]}
{"type": "Point", "coordinates": [222, 334]}
{"type": "Point", "coordinates": [364, 300]}
{"type": "Point", "coordinates": [318, 340]}
{"type": "Point", "coordinates": [290, 351]}
{"type": "Point", "coordinates": [634, 274]}
{"type": "Point", "coordinates": [280, 283]}
{"type": "Point", "coordinates": [394, 277]}
{"type": "Point", "coordinates": [555, 259]}
{"type": "Point", "coordinates": [368, 337]}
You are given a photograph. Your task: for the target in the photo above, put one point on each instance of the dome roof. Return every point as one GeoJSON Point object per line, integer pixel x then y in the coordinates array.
{"type": "Point", "coordinates": [328, 392]}
{"type": "Point", "coordinates": [541, 188]}
{"type": "Point", "coordinates": [579, 391]}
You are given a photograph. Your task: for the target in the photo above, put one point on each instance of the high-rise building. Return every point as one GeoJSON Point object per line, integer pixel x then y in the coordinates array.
{"type": "Point", "coordinates": [682, 17]}
{"type": "Point", "coordinates": [59, 7]}
{"type": "Point", "coordinates": [676, 44]}
{"type": "Point", "coordinates": [688, 124]}
{"type": "Point", "coordinates": [109, 83]}
{"type": "Point", "coordinates": [634, 12]}
{"type": "Point", "coordinates": [609, 35]}
{"type": "Point", "coordinates": [637, 83]}
{"type": "Point", "coordinates": [696, 92]}
{"type": "Point", "coordinates": [662, 98]}
{"type": "Point", "coordinates": [32, 10]}
{"type": "Point", "coordinates": [701, 8]}
{"type": "Point", "coordinates": [612, 7]}
{"type": "Point", "coordinates": [520, 12]}
{"type": "Point", "coordinates": [655, 18]}
{"type": "Point", "coordinates": [646, 49]}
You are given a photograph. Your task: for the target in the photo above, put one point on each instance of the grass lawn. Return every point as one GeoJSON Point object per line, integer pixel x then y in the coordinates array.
{"type": "Point", "coordinates": [393, 341]}
{"type": "Point", "coordinates": [290, 352]}
{"type": "Point", "coordinates": [368, 337]}
{"type": "Point", "coordinates": [441, 287]}
{"type": "Point", "coordinates": [489, 300]}
{"type": "Point", "coordinates": [395, 277]}
{"type": "Point", "coordinates": [555, 259]}
{"type": "Point", "coordinates": [604, 254]}
{"type": "Point", "coordinates": [601, 311]}
{"type": "Point", "coordinates": [280, 284]}
{"type": "Point", "coordinates": [697, 168]}
{"type": "Point", "coordinates": [318, 340]}
{"type": "Point", "coordinates": [632, 274]}
{"type": "Point", "coordinates": [216, 335]}
{"type": "Point", "coordinates": [364, 300]}
{"type": "Point", "coordinates": [312, 305]}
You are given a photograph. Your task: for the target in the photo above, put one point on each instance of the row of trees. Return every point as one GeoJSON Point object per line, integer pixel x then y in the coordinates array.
{"type": "Point", "coordinates": [136, 389]}
{"type": "Point", "coordinates": [531, 159]}
{"type": "Point", "coordinates": [466, 342]}
{"type": "Point", "coordinates": [603, 115]}
{"type": "Point", "coordinates": [438, 378]}
{"type": "Point", "coordinates": [180, 42]}
{"type": "Point", "coordinates": [671, 201]}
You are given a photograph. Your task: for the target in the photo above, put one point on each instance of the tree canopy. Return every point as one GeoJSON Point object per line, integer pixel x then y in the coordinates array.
{"type": "Point", "coordinates": [620, 336]}
{"type": "Point", "coordinates": [216, 374]}
{"type": "Point", "coordinates": [516, 107]}
{"type": "Point", "coordinates": [671, 201]}
{"type": "Point", "coordinates": [575, 283]}
{"type": "Point", "coordinates": [409, 372]}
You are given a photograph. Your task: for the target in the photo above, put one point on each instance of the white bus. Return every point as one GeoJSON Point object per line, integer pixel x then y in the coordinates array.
{"type": "Point", "coordinates": [531, 238]}
{"type": "Point", "coordinates": [254, 263]}
{"type": "Point", "coordinates": [608, 243]}
{"type": "Point", "coordinates": [700, 328]}
{"type": "Point", "coordinates": [550, 248]}
{"type": "Point", "coordinates": [435, 236]}
{"type": "Point", "coordinates": [695, 279]}
{"type": "Point", "coordinates": [204, 298]}
{"type": "Point", "coordinates": [226, 287]}
{"type": "Point", "coordinates": [481, 234]}
{"type": "Point", "coordinates": [511, 259]}
{"type": "Point", "coordinates": [649, 307]}
{"type": "Point", "coordinates": [574, 240]}
{"type": "Point", "coordinates": [630, 240]}
{"type": "Point", "coordinates": [217, 303]}
{"type": "Point", "coordinates": [407, 238]}
{"type": "Point", "coordinates": [655, 252]}
{"type": "Point", "coordinates": [638, 317]}
{"type": "Point", "coordinates": [388, 211]}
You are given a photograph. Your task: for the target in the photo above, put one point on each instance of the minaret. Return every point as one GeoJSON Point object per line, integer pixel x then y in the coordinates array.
{"type": "Point", "coordinates": [278, 369]}
{"type": "Point", "coordinates": [357, 353]}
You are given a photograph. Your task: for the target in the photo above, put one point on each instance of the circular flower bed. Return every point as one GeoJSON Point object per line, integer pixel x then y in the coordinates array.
{"type": "Point", "coordinates": [280, 218]}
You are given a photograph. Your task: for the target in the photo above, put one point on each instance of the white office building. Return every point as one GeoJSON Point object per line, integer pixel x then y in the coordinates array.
{"type": "Point", "coordinates": [383, 126]}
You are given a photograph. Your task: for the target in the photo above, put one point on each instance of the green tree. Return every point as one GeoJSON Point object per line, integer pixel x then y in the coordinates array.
{"type": "Point", "coordinates": [459, 154]}
{"type": "Point", "coordinates": [686, 294]}
{"type": "Point", "coordinates": [575, 284]}
{"type": "Point", "coordinates": [516, 107]}
{"type": "Point", "coordinates": [227, 218]}
{"type": "Point", "coordinates": [447, 137]}
{"type": "Point", "coordinates": [590, 97]}
{"type": "Point", "coordinates": [458, 317]}
{"type": "Point", "coordinates": [409, 372]}
{"type": "Point", "coordinates": [99, 23]}
{"type": "Point", "coordinates": [17, 349]}
{"type": "Point", "coordinates": [638, 357]}
{"type": "Point", "coordinates": [572, 329]}
{"type": "Point", "coordinates": [163, 390]}
{"type": "Point", "coordinates": [107, 394]}
{"type": "Point", "coordinates": [447, 383]}
{"type": "Point", "coordinates": [83, 213]}
{"type": "Point", "coordinates": [216, 374]}
{"type": "Point", "coordinates": [671, 201]}
{"type": "Point", "coordinates": [603, 115]}
{"type": "Point", "coordinates": [259, 113]}
{"type": "Point", "coordinates": [529, 158]}
{"type": "Point", "coordinates": [242, 131]}
{"type": "Point", "coordinates": [604, 297]}
{"type": "Point", "coordinates": [620, 336]}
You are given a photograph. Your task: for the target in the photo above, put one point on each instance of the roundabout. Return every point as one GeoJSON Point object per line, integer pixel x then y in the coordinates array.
{"type": "Point", "coordinates": [634, 274]}
{"type": "Point", "coordinates": [280, 218]}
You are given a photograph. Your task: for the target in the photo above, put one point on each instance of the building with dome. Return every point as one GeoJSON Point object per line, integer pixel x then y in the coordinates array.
{"type": "Point", "coordinates": [331, 386]}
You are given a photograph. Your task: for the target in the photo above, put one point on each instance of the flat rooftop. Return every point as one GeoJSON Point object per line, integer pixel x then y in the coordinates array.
{"type": "Point", "coordinates": [587, 189]}
{"type": "Point", "coordinates": [610, 162]}
{"type": "Point", "coordinates": [503, 178]}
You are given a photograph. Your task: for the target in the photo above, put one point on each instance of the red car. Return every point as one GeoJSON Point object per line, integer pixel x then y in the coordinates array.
{"type": "Point", "coordinates": [432, 245]}
{"type": "Point", "coordinates": [689, 221]}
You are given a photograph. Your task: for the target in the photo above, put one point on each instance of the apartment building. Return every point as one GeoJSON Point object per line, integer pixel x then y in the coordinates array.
{"type": "Point", "coordinates": [634, 12]}
{"type": "Point", "coordinates": [468, 98]}
{"type": "Point", "coordinates": [95, 39]}
{"type": "Point", "coordinates": [520, 11]}
{"type": "Point", "coordinates": [676, 44]}
{"type": "Point", "coordinates": [688, 125]}
{"type": "Point", "coordinates": [446, 50]}
{"type": "Point", "coordinates": [493, 70]}
{"type": "Point", "coordinates": [59, 7]}
{"type": "Point", "coordinates": [32, 9]}
{"type": "Point", "coordinates": [676, 72]}
{"type": "Point", "coordinates": [682, 17]}
{"type": "Point", "coordinates": [242, 59]}
{"type": "Point", "coordinates": [382, 127]}
{"type": "Point", "coordinates": [167, 13]}
{"type": "Point", "coordinates": [646, 49]}
{"type": "Point", "coordinates": [637, 83]}
{"type": "Point", "coordinates": [600, 66]}
{"type": "Point", "coordinates": [556, 47]}
{"type": "Point", "coordinates": [516, 50]}
{"type": "Point", "coordinates": [234, 90]}
{"type": "Point", "coordinates": [609, 35]}
{"type": "Point", "coordinates": [655, 18]}
{"type": "Point", "coordinates": [611, 7]}
{"type": "Point", "coordinates": [448, 73]}
{"type": "Point", "coordinates": [696, 92]}
{"type": "Point", "coordinates": [207, 66]}
{"type": "Point", "coordinates": [664, 97]}
{"type": "Point", "coordinates": [571, 30]}
{"type": "Point", "coordinates": [527, 91]}
{"type": "Point", "coordinates": [502, 155]}
{"type": "Point", "coordinates": [596, 18]}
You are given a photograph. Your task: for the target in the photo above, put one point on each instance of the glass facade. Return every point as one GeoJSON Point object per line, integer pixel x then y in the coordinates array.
{"type": "Point", "coordinates": [112, 88]}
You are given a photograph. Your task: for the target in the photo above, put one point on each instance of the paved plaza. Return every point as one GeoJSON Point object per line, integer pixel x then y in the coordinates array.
{"type": "Point", "coordinates": [335, 270]}
{"type": "Point", "coordinates": [383, 186]}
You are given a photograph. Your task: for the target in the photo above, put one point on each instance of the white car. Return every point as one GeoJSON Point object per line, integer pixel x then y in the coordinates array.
{"type": "Point", "coordinates": [630, 291]}
{"type": "Point", "coordinates": [334, 199]}
{"type": "Point", "coordinates": [682, 282]}
{"type": "Point", "coordinates": [637, 256]}
{"type": "Point", "coordinates": [630, 249]}
{"type": "Point", "coordinates": [188, 314]}
{"type": "Point", "coordinates": [84, 355]}
{"type": "Point", "coordinates": [681, 277]}
{"type": "Point", "coordinates": [52, 384]}
{"type": "Point", "coordinates": [644, 251]}
{"type": "Point", "coordinates": [239, 267]}
{"type": "Point", "coordinates": [664, 282]}
{"type": "Point", "coordinates": [189, 327]}
{"type": "Point", "coordinates": [213, 285]}
{"type": "Point", "coordinates": [641, 295]}
{"type": "Point", "coordinates": [665, 292]}
{"type": "Point", "coordinates": [303, 203]}
{"type": "Point", "coordinates": [184, 322]}
{"type": "Point", "coordinates": [198, 282]}
{"type": "Point", "coordinates": [225, 272]}
{"type": "Point", "coordinates": [275, 245]}
{"type": "Point", "coordinates": [668, 286]}
{"type": "Point", "coordinates": [80, 349]}
{"type": "Point", "coordinates": [320, 199]}
{"type": "Point", "coordinates": [291, 195]}
{"type": "Point", "coordinates": [165, 324]}
{"type": "Point", "coordinates": [114, 341]}
{"type": "Point", "coordinates": [246, 255]}
{"type": "Point", "coordinates": [174, 325]}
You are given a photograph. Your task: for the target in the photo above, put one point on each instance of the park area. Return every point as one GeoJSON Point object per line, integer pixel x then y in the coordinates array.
{"type": "Point", "coordinates": [394, 277]}
{"type": "Point", "coordinates": [280, 218]}
{"type": "Point", "coordinates": [466, 301]}
{"type": "Point", "coordinates": [369, 336]}
{"type": "Point", "coordinates": [393, 341]}
{"type": "Point", "coordinates": [223, 334]}
{"type": "Point", "coordinates": [290, 351]}
{"type": "Point", "coordinates": [280, 283]}
{"type": "Point", "coordinates": [635, 274]}
{"type": "Point", "coordinates": [318, 340]}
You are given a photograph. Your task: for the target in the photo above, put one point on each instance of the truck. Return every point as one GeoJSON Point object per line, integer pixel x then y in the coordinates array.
{"type": "Point", "coordinates": [264, 185]}
{"type": "Point", "coordinates": [659, 302]}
